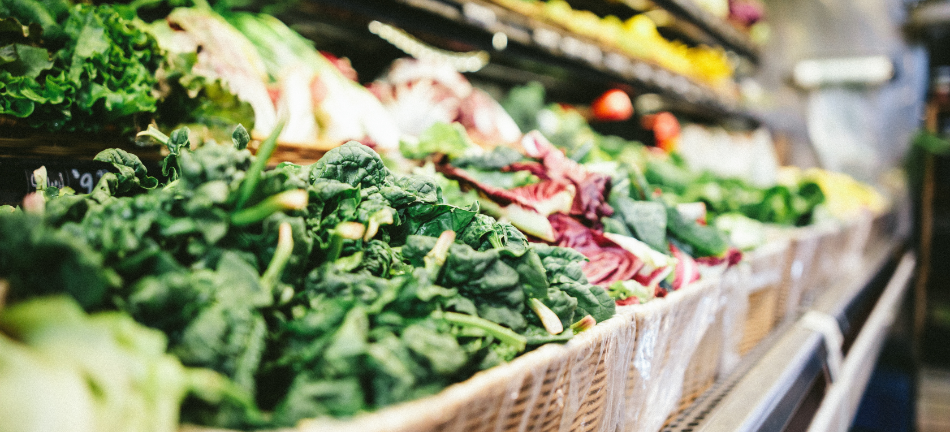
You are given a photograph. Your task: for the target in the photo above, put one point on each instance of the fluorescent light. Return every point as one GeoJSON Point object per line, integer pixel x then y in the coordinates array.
{"type": "Point", "coordinates": [871, 70]}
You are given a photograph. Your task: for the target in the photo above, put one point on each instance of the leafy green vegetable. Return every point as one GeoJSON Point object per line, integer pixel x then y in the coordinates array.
{"type": "Point", "coordinates": [93, 66]}
{"type": "Point", "coordinates": [113, 372]}
{"type": "Point", "coordinates": [701, 240]}
{"type": "Point", "coordinates": [35, 261]}
{"type": "Point", "coordinates": [503, 180]}
{"type": "Point", "coordinates": [744, 233]}
{"type": "Point", "coordinates": [524, 103]}
{"type": "Point", "coordinates": [646, 220]}
{"type": "Point", "coordinates": [329, 289]}
{"type": "Point", "coordinates": [132, 175]}
{"type": "Point", "coordinates": [780, 204]}
{"type": "Point", "coordinates": [441, 138]}
{"type": "Point", "coordinates": [622, 290]}
{"type": "Point", "coordinates": [496, 159]}
{"type": "Point", "coordinates": [354, 164]}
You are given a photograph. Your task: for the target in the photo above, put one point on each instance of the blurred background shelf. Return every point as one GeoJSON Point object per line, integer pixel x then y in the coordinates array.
{"type": "Point", "coordinates": [572, 67]}
{"type": "Point", "coordinates": [724, 32]}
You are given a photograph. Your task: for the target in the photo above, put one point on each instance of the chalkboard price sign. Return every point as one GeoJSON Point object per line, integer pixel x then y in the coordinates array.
{"type": "Point", "coordinates": [16, 176]}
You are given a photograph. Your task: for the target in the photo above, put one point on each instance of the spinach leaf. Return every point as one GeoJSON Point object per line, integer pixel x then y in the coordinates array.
{"type": "Point", "coordinates": [441, 350]}
{"type": "Point", "coordinates": [36, 260]}
{"type": "Point", "coordinates": [433, 220]}
{"type": "Point", "coordinates": [354, 164]}
{"type": "Point", "coordinates": [591, 300]}
{"type": "Point", "coordinates": [539, 336]}
{"type": "Point", "coordinates": [494, 160]}
{"type": "Point", "coordinates": [647, 220]}
{"type": "Point", "coordinates": [313, 396]}
{"type": "Point", "coordinates": [562, 304]}
{"type": "Point", "coordinates": [442, 138]}
{"type": "Point", "coordinates": [703, 240]}
{"type": "Point", "coordinates": [131, 174]}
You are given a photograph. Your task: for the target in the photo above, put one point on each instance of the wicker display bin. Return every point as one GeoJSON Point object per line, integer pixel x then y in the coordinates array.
{"type": "Point", "coordinates": [857, 235]}
{"type": "Point", "coordinates": [765, 279]}
{"type": "Point", "coordinates": [554, 388]}
{"type": "Point", "coordinates": [629, 373]}
{"type": "Point", "coordinates": [803, 247]}
{"type": "Point", "coordinates": [829, 259]}
{"type": "Point", "coordinates": [811, 249]}
{"type": "Point", "coordinates": [668, 332]}
{"type": "Point", "coordinates": [704, 366]}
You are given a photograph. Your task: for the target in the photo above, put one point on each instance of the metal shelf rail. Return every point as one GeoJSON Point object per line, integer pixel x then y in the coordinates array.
{"type": "Point", "coordinates": [811, 372]}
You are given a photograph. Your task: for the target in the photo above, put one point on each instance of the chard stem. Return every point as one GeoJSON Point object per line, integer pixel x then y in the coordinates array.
{"type": "Point", "coordinates": [436, 257]}
{"type": "Point", "coordinates": [154, 133]}
{"type": "Point", "coordinates": [285, 248]}
{"type": "Point", "coordinates": [549, 319]}
{"type": "Point", "coordinates": [343, 231]}
{"type": "Point", "coordinates": [503, 334]}
{"type": "Point", "coordinates": [257, 167]}
{"type": "Point", "coordinates": [287, 200]}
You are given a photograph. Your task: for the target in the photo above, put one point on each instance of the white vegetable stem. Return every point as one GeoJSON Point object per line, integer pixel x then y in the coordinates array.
{"type": "Point", "coordinates": [548, 318]}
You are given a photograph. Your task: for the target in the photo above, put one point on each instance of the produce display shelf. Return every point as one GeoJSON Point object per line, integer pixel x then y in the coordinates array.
{"type": "Point", "coordinates": [795, 379]}
{"type": "Point", "coordinates": [723, 31]}
{"type": "Point", "coordinates": [680, 28]}
{"type": "Point", "coordinates": [481, 24]}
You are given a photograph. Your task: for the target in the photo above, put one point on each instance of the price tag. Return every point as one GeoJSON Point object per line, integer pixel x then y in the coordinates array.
{"type": "Point", "coordinates": [680, 85]}
{"type": "Point", "coordinates": [479, 14]}
{"type": "Point", "coordinates": [80, 180]}
{"type": "Point", "coordinates": [16, 176]}
{"type": "Point", "coordinates": [643, 71]}
{"type": "Point", "coordinates": [547, 38]}
{"type": "Point", "coordinates": [572, 47]}
{"type": "Point", "coordinates": [663, 78]}
{"type": "Point", "coordinates": [617, 63]}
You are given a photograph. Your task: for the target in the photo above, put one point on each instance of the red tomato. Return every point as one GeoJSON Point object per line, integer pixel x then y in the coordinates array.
{"type": "Point", "coordinates": [665, 128]}
{"type": "Point", "coordinates": [613, 105]}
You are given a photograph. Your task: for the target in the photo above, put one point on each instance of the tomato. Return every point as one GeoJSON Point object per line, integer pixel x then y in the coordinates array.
{"type": "Point", "coordinates": [665, 128]}
{"type": "Point", "coordinates": [613, 105]}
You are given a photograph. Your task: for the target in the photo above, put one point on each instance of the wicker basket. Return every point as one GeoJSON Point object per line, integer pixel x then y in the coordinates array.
{"type": "Point", "coordinates": [668, 333]}
{"type": "Point", "coordinates": [803, 245]}
{"type": "Point", "coordinates": [704, 365]}
{"type": "Point", "coordinates": [627, 373]}
{"type": "Point", "coordinates": [827, 262]}
{"type": "Point", "coordinates": [802, 267]}
{"type": "Point", "coordinates": [857, 233]}
{"type": "Point", "coordinates": [554, 388]}
{"type": "Point", "coordinates": [764, 283]}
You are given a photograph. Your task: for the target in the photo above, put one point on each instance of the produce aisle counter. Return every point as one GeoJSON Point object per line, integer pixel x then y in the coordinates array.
{"type": "Point", "coordinates": [812, 371]}
{"type": "Point", "coordinates": [309, 230]}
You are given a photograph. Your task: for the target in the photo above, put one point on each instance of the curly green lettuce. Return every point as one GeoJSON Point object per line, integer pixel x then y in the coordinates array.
{"type": "Point", "coordinates": [75, 67]}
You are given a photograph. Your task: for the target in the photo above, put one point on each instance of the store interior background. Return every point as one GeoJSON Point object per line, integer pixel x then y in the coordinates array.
{"type": "Point", "coordinates": [868, 130]}
{"type": "Point", "coordinates": [863, 129]}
